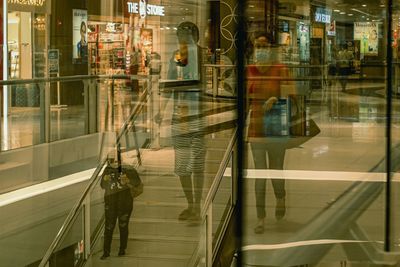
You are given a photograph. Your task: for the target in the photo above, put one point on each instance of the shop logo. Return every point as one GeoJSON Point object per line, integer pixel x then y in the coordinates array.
{"type": "Point", "coordinates": [143, 9]}
{"type": "Point", "coordinates": [27, 2]}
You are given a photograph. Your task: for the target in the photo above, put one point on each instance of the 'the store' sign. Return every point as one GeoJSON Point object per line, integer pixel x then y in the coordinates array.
{"type": "Point", "coordinates": [144, 9]}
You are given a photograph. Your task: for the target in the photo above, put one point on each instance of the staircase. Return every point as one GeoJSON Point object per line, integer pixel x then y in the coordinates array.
{"type": "Point", "coordinates": [157, 237]}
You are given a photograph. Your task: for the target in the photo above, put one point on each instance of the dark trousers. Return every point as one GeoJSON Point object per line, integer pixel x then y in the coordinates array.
{"type": "Point", "coordinates": [276, 157]}
{"type": "Point", "coordinates": [114, 212]}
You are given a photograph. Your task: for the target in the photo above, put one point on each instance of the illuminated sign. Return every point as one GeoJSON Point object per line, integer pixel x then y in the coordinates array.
{"type": "Point", "coordinates": [322, 15]}
{"type": "Point", "coordinates": [27, 2]}
{"type": "Point", "coordinates": [143, 9]}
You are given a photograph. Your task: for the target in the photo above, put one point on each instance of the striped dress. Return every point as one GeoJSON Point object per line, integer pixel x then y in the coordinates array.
{"type": "Point", "coordinates": [188, 130]}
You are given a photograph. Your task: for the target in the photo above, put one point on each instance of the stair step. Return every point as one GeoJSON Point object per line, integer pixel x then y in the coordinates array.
{"type": "Point", "coordinates": [140, 260]}
{"type": "Point", "coordinates": [163, 227]}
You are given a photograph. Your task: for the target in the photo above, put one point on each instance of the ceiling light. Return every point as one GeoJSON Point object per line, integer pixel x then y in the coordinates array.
{"type": "Point", "coordinates": [342, 13]}
{"type": "Point", "coordinates": [364, 5]}
{"type": "Point", "coordinates": [251, 6]}
{"type": "Point", "coordinates": [350, 14]}
{"type": "Point", "coordinates": [336, 10]}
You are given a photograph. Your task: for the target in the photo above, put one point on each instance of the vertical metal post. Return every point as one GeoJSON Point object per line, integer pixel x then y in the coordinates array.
{"type": "Point", "coordinates": [112, 105]}
{"type": "Point", "coordinates": [215, 80]}
{"type": "Point", "coordinates": [86, 104]}
{"type": "Point", "coordinates": [241, 94]}
{"type": "Point", "coordinates": [389, 60]}
{"type": "Point", "coordinates": [209, 237]}
{"type": "Point", "coordinates": [44, 112]}
{"type": "Point", "coordinates": [86, 228]}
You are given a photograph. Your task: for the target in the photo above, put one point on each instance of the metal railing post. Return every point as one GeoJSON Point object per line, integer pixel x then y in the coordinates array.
{"type": "Point", "coordinates": [209, 237]}
{"type": "Point", "coordinates": [86, 228]}
{"type": "Point", "coordinates": [45, 112]}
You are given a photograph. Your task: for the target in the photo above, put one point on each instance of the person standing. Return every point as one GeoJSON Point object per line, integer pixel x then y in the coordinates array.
{"type": "Point", "coordinates": [344, 60]}
{"type": "Point", "coordinates": [118, 204]}
{"type": "Point", "coordinates": [265, 129]}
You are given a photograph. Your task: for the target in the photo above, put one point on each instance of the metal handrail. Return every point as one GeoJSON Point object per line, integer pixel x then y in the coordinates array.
{"type": "Point", "coordinates": [93, 182]}
{"type": "Point", "coordinates": [71, 78]}
{"type": "Point", "coordinates": [220, 174]}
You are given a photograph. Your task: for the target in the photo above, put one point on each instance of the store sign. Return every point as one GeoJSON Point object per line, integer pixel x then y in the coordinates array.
{"type": "Point", "coordinates": [27, 2]}
{"type": "Point", "coordinates": [143, 9]}
{"type": "Point", "coordinates": [322, 15]}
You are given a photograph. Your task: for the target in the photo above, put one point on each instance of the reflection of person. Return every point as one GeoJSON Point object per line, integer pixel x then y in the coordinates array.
{"type": "Point", "coordinates": [186, 58]}
{"type": "Point", "coordinates": [187, 123]}
{"type": "Point", "coordinates": [188, 141]}
{"type": "Point", "coordinates": [343, 61]}
{"type": "Point", "coordinates": [265, 124]}
{"type": "Point", "coordinates": [82, 44]}
{"type": "Point", "coordinates": [118, 204]}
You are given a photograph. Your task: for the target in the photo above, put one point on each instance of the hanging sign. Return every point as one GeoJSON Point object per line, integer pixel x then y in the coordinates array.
{"type": "Point", "coordinates": [323, 15]}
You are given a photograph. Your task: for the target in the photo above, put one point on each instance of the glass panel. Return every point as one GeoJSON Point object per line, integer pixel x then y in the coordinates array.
{"type": "Point", "coordinates": [317, 117]}
{"type": "Point", "coordinates": [394, 235]}
{"type": "Point", "coordinates": [221, 205]}
{"type": "Point", "coordinates": [96, 211]}
{"type": "Point", "coordinates": [71, 250]}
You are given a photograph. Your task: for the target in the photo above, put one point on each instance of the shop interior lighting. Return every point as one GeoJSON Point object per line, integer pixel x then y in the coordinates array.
{"type": "Point", "coordinates": [350, 14]}
{"type": "Point", "coordinates": [336, 10]}
{"type": "Point", "coordinates": [342, 13]}
{"type": "Point", "coordinates": [361, 12]}
{"type": "Point", "coordinates": [364, 5]}
{"type": "Point", "coordinates": [251, 6]}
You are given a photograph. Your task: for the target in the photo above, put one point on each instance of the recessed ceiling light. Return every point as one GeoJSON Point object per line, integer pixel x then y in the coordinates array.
{"type": "Point", "coordinates": [342, 13]}
{"type": "Point", "coordinates": [364, 5]}
{"type": "Point", "coordinates": [336, 10]}
{"type": "Point", "coordinates": [251, 6]}
{"type": "Point", "coordinates": [350, 14]}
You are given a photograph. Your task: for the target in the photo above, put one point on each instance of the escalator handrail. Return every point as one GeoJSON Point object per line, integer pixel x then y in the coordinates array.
{"type": "Point", "coordinates": [92, 183]}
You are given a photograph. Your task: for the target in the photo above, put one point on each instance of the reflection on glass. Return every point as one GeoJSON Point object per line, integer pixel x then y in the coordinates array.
{"type": "Point", "coordinates": [317, 113]}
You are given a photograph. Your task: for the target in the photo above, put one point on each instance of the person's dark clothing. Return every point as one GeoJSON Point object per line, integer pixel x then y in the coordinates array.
{"type": "Point", "coordinates": [118, 204]}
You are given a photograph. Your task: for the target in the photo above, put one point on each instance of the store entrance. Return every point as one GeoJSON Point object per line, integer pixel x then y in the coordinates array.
{"type": "Point", "coordinates": [26, 32]}
{"type": "Point", "coordinates": [20, 45]}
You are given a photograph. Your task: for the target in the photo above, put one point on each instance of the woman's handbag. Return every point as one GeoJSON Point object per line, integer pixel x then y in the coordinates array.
{"type": "Point", "coordinates": [135, 181]}
{"type": "Point", "coordinates": [136, 184]}
{"type": "Point", "coordinates": [301, 127]}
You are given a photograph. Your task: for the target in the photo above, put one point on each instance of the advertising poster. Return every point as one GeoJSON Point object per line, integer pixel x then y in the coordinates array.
{"type": "Point", "coordinates": [303, 34]}
{"type": "Point", "coordinates": [367, 33]}
{"type": "Point", "coordinates": [331, 28]}
{"type": "Point", "coordinates": [53, 61]}
{"type": "Point", "coordinates": [79, 35]}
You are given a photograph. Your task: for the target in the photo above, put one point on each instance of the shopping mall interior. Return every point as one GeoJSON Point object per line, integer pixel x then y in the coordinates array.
{"type": "Point", "coordinates": [200, 133]}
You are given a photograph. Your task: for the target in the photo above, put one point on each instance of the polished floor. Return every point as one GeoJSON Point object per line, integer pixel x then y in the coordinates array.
{"type": "Point", "coordinates": [334, 179]}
